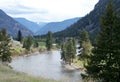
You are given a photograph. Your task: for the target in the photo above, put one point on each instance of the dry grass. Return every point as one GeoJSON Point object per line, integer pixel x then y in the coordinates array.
{"type": "Point", "coordinates": [8, 75]}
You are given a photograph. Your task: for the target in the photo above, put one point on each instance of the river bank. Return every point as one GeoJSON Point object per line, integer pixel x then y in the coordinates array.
{"type": "Point", "coordinates": [47, 65]}
{"type": "Point", "coordinates": [9, 75]}
{"type": "Point", "coordinates": [72, 67]}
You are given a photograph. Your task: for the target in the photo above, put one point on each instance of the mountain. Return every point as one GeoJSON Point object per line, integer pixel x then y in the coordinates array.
{"type": "Point", "coordinates": [11, 25]}
{"type": "Point", "coordinates": [34, 27]}
{"type": "Point", "coordinates": [56, 26]}
{"type": "Point", "coordinates": [41, 24]}
{"type": "Point", "coordinates": [91, 22]}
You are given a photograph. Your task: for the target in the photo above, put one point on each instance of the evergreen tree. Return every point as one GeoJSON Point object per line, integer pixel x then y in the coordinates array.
{"type": "Point", "coordinates": [85, 46]}
{"type": "Point", "coordinates": [74, 48]}
{"type": "Point", "coordinates": [27, 43]}
{"type": "Point", "coordinates": [5, 54]}
{"type": "Point", "coordinates": [84, 36]}
{"type": "Point", "coordinates": [104, 64]}
{"type": "Point", "coordinates": [68, 51]}
{"type": "Point", "coordinates": [36, 44]}
{"type": "Point", "coordinates": [63, 52]}
{"type": "Point", "coordinates": [19, 38]}
{"type": "Point", "coordinates": [49, 41]}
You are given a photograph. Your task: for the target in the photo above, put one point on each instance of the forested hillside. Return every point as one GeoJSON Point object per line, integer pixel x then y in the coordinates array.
{"type": "Point", "coordinates": [12, 27]}
{"type": "Point", "coordinates": [91, 21]}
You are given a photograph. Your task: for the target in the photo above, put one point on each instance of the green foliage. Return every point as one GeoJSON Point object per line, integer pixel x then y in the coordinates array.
{"type": "Point", "coordinates": [104, 63]}
{"type": "Point", "coordinates": [27, 43]}
{"type": "Point", "coordinates": [5, 47]}
{"type": "Point", "coordinates": [63, 53]}
{"type": "Point", "coordinates": [49, 41]}
{"type": "Point", "coordinates": [19, 36]}
{"type": "Point", "coordinates": [36, 44]}
{"type": "Point", "coordinates": [85, 46]}
{"type": "Point", "coordinates": [42, 43]}
{"type": "Point", "coordinates": [68, 51]}
{"type": "Point", "coordinates": [84, 36]}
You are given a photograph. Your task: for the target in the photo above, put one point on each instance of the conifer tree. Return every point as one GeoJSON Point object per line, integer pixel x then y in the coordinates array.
{"type": "Point", "coordinates": [19, 36]}
{"type": "Point", "coordinates": [36, 44]}
{"type": "Point", "coordinates": [27, 43]}
{"type": "Point", "coordinates": [74, 49]}
{"type": "Point", "coordinates": [63, 52]}
{"type": "Point", "coordinates": [85, 46]}
{"type": "Point", "coordinates": [84, 36]}
{"type": "Point", "coordinates": [5, 47]}
{"type": "Point", "coordinates": [49, 41]}
{"type": "Point", "coordinates": [104, 64]}
{"type": "Point", "coordinates": [68, 51]}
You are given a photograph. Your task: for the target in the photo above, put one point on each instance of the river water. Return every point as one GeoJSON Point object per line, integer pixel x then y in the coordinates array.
{"type": "Point", "coordinates": [47, 65]}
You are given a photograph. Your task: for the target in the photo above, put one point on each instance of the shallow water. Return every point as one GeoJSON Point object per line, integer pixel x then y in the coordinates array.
{"type": "Point", "coordinates": [47, 65]}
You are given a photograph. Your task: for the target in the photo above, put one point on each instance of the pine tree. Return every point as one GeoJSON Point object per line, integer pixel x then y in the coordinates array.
{"type": "Point", "coordinates": [19, 36]}
{"type": "Point", "coordinates": [28, 41]}
{"type": "Point", "coordinates": [63, 52]}
{"type": "Point", "coordinates": [84, 36]}
{"type": "Point", "coordinates": [104, 64]}
{"type": "Point", "coordinates": [36, 44]}
{"type": "Point", "coordinates": [74, 49]}
{"type": "Point", "coordinates": [5, 47]}
{"type": "Point", "coordinates": [68, 51]}
{"type": "Point", "coordinates": [49, 41]}
{"type": "Point", "coordinates": [85, 46]}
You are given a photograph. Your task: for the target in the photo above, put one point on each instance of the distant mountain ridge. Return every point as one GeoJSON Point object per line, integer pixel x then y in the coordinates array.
{"type": "Point", "coordinates": [12, 26]}
{"type": "Point", "coordinates": [91, 22]}
{"type": "Point", "coordinates": [57, 26]}
{"type": "Point", "coordinates": [33, 26]}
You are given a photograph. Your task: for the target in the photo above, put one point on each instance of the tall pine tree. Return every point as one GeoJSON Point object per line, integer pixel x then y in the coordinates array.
{"type": "Point", "coordinates": [105, 62]}
{"type": "Point", "coordinates": [19, 36]}
{"type": "Point", "coordinates": [74, 49]}
{"type": "Point", "coordinates": [27, 43]}
{"type": "Point", "coordinates": [68, 51]}
{"type": "Point", "coordinates": [49, 41]}
{"type": "Point", "coordinates": [85, 46]}
{"type": "Point", "coordinates": [63, 52]}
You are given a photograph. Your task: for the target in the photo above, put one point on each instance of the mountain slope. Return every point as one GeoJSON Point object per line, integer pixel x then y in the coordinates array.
{"type": "Point", "coordinates": [34, 27]}
{"type": "Point", "coordinates": [11, 25]}
{"type": "Point", "coordinates": [56, 26]}
{"type": "Point", "coordinates": [91, 22]}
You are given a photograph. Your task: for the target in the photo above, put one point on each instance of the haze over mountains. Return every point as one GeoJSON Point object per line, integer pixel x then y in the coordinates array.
{"type": "Point", "coordinates": [33, 26]}
{"type": "Point", "coordinates": [43, 27]}
{"type": "Point", "coordinates": [57, 26]}
{"type": "Point", "coordinates": [12, 26]}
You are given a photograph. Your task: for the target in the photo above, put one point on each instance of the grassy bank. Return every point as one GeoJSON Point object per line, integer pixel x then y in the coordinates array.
{"type": "Point", "coordinates": [78, 62]}
{"type": "Point", "coordinates": [8, 75]}
{"type": "Point", "coordinates": [18, 50]}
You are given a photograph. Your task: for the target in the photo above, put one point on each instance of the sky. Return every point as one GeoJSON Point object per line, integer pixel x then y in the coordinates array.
{"type": "Point", "coordinates": [47, 10]}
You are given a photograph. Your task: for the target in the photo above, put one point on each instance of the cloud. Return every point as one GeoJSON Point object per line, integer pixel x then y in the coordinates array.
{"type": "Point", "coordinates": [47, 10]}
{"type": "Point", "coordinates": [18, 8]}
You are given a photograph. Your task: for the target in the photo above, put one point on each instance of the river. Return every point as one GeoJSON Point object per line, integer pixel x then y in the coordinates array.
{"type": "Point", "coordinates": [46, 65]}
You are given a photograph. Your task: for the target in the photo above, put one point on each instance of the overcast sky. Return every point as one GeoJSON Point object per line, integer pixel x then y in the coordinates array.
{"type": "Point", "coordinates": [47, 10]}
